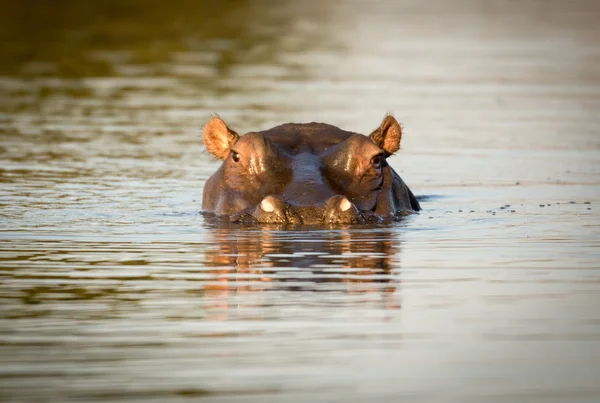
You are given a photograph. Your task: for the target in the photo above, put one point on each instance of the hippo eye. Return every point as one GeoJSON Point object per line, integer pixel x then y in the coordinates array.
{"type": "Point", "coordinates": [235, 156]}
{"type": "Point", "coordinates": [376, 160]}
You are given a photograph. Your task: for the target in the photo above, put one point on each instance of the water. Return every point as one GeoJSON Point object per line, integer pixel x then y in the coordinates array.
{"type": "Point", "coordinates": [115, 288]}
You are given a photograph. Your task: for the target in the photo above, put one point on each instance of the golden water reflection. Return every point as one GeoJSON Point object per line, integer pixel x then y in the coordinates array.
{"type": "Point", "coordinates": [349, 261]}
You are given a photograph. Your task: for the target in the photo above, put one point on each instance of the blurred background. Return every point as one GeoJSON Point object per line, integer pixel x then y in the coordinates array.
{"type": "Point", "coordinates": [114, 288]}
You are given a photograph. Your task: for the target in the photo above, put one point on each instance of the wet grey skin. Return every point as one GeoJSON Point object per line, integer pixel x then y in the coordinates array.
{"type": "Point", "coordinates": [306, 174]}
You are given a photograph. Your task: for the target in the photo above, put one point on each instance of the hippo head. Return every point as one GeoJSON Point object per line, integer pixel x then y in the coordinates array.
{"type": "Point", "coordinates": [311, 173]}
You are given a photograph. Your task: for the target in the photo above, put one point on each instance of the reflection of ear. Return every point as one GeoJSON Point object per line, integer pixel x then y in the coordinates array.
{"type": "Point", "coordinates": [388, 135]}
{"type": "Point", "coordinates": [218, 138]}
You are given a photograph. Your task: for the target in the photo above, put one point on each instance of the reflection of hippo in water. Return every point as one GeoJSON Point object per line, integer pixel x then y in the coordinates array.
{"type": "Point", "coordinates": [241, 259]}
{"type": "Point", "coordinates": [310, 173]}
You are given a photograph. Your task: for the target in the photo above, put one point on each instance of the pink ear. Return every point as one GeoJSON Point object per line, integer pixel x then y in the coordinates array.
{"type": "Point", "coordinates": [388, 135]}
{"type": "Point", "coordinates": [218, 138]}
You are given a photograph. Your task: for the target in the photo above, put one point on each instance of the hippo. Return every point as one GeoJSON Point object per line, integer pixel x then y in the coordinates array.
{"type": "Point", "coordinates": [305, 174]}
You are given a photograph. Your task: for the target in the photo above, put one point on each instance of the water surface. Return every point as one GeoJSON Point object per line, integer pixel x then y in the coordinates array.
{"type": "Point", "coordinates": [115, 288]}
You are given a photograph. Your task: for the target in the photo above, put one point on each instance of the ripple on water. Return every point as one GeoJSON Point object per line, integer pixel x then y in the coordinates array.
{"type": "Point", "coordinates": [116, 288]}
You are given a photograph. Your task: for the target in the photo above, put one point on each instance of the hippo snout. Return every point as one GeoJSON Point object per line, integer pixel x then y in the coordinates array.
{"type": "Point", "coordinates": [272, 209]}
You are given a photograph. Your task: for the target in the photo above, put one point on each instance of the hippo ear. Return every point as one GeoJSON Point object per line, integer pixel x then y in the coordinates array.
{"type": "Point", "coordinates": [218, 138]}
{"type": "Point", "coordinates": [388, 135]}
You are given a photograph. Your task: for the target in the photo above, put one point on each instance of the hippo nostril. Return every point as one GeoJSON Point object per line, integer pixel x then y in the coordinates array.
{"type": "Point", "coordinates": [339, 209]}
{"type": "Point", "coordinates": [267, 204]}
{"type": "Point", "coordinates": [338, 203]}
{"type": "Point", "coordinates": [273, 209]}
{"type": "Point", "coordinates": [345, 204]}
